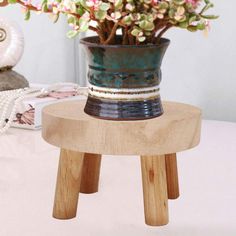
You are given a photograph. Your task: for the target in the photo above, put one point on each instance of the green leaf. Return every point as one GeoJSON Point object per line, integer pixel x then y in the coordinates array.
{"type": "Point", "coordinates": [11, 1]}
{"type": "Point", "coordinates": [163, 5]}
{"type": "Point", "coordinates": [201, 26]}
{"type": "Point", "coordinates": [73, 8]}
{"type": "Point", "coordinates": [210, 17]}
{"type": "Point", "coordinates": [192, 19]}
{"type": "Point", "coordinates": [44, 7]}
{"type": "Point", "coordinates": [130, 7]}
{"type": "Point", "coordinates": [80, 11]}
{"type": "Point", "coordinates": [171, 13]}
{"type": "Point", "coordinates": [83, 4]}
{"type": "Point", "coordinates": [179, 2]}
{"type": "Point", "coordinates": [147, 33]}
{"type": "Point", "coordinates": [207, 7]}
{"type": "Point", "coordinates": [127, 20]}
{"type": "Point", "coordinates": [27, 15]}
{"type": "Point", "coordinates": [141, 39]}
{"type": "Point", "coordinates": [83, 25]}
{"type": "Point", "coordinates": [192, 28]}
{"type": "Point", "coordinates": [150, 18]}
{"type": "Point", "coordinates": [100, 15]}
{"type": "Point", "coordinates": [180, 10]}
{"type": "Point", "coordinates": [146, 25]}
{"type": "Point", "coordinates": [183, 25]}
{"type": "Point", "coordinates": [104, 6]}
{"type": "Point", "coordinates": [72, 34]}
{"type": "Point", "coordinates": [118, 4]}
{"type": "Point", "coordinates": [135, 32]}
{"type": "Point", "coordinates": [54, 17]}
{"type": "Point", "coordinates": [71, 19]}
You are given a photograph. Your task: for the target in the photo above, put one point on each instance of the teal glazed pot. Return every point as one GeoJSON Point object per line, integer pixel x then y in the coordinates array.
{"type": "Point", "coordinates": [124, 80]}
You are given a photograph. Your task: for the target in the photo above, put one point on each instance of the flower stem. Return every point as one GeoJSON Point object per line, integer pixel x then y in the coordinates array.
{"type": "Point", "coordinates": [112, 34]}
{"type": "Point", "coordinates": [4, 3]}
{"type": "Point", "coordinates": [158, 38]}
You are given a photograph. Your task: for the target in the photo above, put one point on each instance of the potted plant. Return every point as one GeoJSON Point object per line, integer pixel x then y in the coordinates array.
{"type": "Point", "coordinates": [125, 57]}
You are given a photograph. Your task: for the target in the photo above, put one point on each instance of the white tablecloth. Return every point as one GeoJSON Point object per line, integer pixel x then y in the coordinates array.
{"type": "Point", "coordinates": [207, 206]}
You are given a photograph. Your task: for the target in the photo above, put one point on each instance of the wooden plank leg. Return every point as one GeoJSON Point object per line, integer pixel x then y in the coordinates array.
{"type": "Point", "coordinates": [154, 190]}
{"type": "Point", "coordinates": [172, 176]}
{"type": "Point", "coordinates": [68, 184]}
{"type": "Point", "coordinates": [90, 173]}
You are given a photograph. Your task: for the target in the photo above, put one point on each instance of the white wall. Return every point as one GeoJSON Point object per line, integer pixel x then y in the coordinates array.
{"type": "Point", "coordinates": [202, 71]}
{"type": "Point", "coordinates": [49, 54]}
{"type": "Point", "coordinates": [196, 69]}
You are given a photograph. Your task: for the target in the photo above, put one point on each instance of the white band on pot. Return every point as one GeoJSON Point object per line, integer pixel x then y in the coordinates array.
{"type": "Point", "coordinates": [124, 93]}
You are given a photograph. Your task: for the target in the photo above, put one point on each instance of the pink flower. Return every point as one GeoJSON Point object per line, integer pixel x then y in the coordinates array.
{"type": "Point", "coordinates": [93, 3]}
{"type": "Point", "coordinates": [39, 7]}
{"type": "Point", "coordinates": [195, 3]}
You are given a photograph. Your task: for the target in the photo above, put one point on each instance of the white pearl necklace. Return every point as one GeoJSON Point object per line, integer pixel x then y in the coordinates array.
{"type": "Point", "coordinates": [11, 99]}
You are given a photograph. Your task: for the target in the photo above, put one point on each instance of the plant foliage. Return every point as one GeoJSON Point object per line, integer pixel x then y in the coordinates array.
{"type": "Point", "coordinates": [138, 21]}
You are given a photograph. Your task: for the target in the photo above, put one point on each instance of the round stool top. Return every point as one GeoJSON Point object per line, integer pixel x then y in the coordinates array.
{"type": "Point", "coordinates": [65, 125]}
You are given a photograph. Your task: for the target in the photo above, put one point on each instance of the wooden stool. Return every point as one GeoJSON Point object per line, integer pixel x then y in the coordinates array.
{"type": "Point", "coordinates": [83, 139]}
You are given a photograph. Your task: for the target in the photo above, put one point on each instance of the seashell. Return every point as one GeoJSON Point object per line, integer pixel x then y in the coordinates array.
{"type": "Point", "coordinates": [11, 43]}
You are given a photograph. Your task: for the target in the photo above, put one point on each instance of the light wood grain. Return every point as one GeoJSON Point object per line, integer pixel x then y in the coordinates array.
{"type": "Point", "coordinates": [68, 184]}
{"type": "Point", "coordinates": [172, 176]}
{"type": "Point", "coordinates": [66, 125]}
{"type": "Point", "coordinates": [90, 173]}
{"type": "Point", "coordinates": [154, 190]}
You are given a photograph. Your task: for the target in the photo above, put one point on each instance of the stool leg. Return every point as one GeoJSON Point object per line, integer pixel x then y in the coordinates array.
{"type": "Point", "coordinates": [68, 184]}
{"type": "Point", "coordinates": [172, 176]}
{"type": "Point", "coordinates": [90, 173]}
{"type": "Point", "coordinates": [154, 190]}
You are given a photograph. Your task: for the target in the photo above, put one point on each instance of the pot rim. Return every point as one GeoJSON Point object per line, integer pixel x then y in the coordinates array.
{"type": "Point", "coordinates": [88, 41]}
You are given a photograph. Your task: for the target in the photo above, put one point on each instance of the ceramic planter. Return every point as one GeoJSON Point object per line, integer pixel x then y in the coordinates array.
{"type": "Point", "coordinates": [124, 80]}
